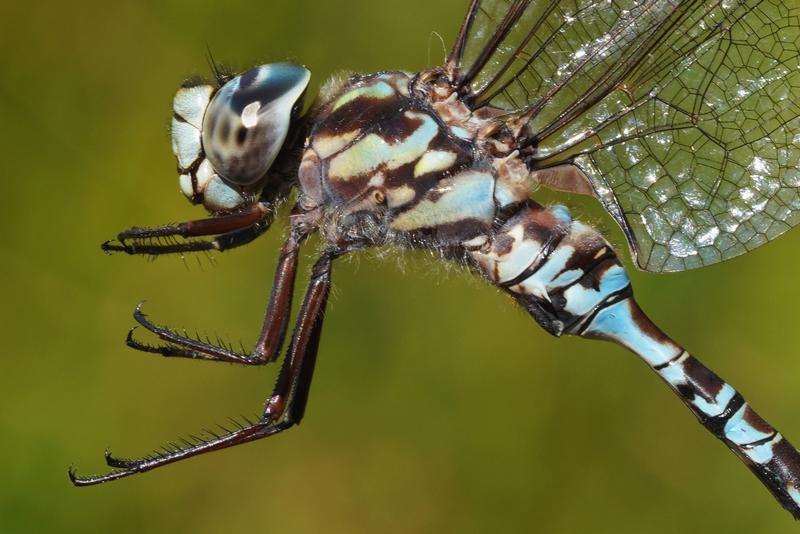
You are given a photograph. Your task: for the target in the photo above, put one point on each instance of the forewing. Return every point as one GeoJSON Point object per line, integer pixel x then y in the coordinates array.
{"type": "Point", "coordinates": [684, 116]}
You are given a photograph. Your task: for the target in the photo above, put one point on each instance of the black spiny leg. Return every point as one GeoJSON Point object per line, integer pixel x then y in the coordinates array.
{"type": "Point", "coordinates": [232, 231]}
{"type": "Point", "coordinates": [269, 341]}
{"type": "Point", "coordinates": [284, 408]}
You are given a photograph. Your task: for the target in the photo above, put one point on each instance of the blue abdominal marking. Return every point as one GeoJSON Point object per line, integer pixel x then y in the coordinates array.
{"type": "Point", "coordinates": [582, 300]}
{"type": "Point", "coordinates": [740, 431]}
{"type": "Point", "coordinates": [763, 453]}
{"type": "Point", "coordinates": [616, 322]}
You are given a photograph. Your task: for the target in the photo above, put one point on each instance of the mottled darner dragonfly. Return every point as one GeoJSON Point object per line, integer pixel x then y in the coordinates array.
{"type": "Point", "coordinates": [681, 117]}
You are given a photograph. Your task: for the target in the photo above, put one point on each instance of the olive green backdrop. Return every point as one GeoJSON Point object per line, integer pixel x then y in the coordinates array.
{"type": "Point", "coordinates": [437, 406]}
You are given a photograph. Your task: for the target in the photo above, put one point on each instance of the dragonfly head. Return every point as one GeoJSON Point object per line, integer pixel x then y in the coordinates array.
{"type": "Point", "coordinates": [226, 138]}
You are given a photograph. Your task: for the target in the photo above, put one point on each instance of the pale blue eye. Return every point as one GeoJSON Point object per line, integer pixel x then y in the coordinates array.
{"type": "Point", "coordinates": [248, 120]}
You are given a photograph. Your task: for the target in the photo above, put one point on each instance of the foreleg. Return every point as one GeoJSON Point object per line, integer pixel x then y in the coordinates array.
{"type": "Point", "coordinates": [231, 231]}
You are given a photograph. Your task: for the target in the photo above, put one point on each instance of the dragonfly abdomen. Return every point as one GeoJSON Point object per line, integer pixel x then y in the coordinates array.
{"type": "Point", "coordinates": [567, 276]}
{"type": "Point", "coordinates": [717, 405]}
{"type": "Point", "coordinates": [562, 271]}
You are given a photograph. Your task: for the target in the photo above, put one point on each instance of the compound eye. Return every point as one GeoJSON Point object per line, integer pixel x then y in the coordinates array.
{"type": "Point", "coordinates": [248, 120]}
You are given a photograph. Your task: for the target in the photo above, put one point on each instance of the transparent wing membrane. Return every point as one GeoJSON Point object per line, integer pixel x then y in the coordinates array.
{"type": "Point", "coordinates": [684, 116]}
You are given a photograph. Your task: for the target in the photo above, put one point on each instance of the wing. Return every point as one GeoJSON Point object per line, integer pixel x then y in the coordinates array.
{"type": "Point", "coordinates": [684, 116]}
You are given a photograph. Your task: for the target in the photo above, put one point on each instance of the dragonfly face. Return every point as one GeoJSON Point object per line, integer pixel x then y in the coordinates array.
{"type": "Point", "coordinates": [226, 139]}
{"type": "Point", "coordinates": [681, 117]}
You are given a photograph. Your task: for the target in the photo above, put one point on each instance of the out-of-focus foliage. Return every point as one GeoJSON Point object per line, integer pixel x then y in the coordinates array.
{"type": "Point", "coordinates": [437, 406]}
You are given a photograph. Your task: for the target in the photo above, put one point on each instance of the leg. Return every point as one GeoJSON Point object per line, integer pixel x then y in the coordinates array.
{"type": "Point", "coordinates": [284, 408]}
{"type": "Point", "coordinates": [272, 333]}
{"type": "Point", "coordinates": [236, 229]}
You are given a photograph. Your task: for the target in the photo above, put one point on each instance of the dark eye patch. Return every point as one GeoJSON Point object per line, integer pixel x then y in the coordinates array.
{"type": "Point", "coordinates": [241, 135]}
{"type": "Point", "coordinates": [248, 78]}
{"type": "Point", "coordinates": [224, 130]}
{"type": "Point", "coordinates": [279, 82]}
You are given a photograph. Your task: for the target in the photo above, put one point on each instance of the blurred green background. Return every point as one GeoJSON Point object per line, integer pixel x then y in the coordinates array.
{"type": "Point", "coordinates": [437, 406]}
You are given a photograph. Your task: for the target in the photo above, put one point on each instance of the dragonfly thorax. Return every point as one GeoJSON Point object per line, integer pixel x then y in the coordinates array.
{"type": "Point", "coordinates": [396, 157]}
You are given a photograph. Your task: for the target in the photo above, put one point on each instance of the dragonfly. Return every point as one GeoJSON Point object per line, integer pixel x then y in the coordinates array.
{"type": "Point", "coordinates": [681, 117]}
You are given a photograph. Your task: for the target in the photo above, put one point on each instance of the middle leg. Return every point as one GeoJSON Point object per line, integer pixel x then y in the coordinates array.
{"type": "Point", "coordinates": [272, 334]}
